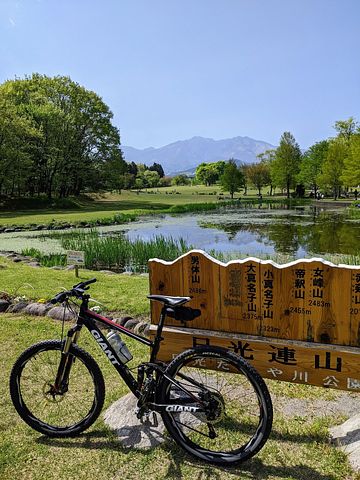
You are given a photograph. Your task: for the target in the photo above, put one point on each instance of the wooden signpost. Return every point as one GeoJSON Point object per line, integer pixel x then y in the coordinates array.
{"type": "Point", "coordinates": [298, 322]}
{"type": "Point", "coordinates": [75, 257]}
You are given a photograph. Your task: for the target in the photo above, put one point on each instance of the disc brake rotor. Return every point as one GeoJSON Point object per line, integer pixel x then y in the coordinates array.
{"type": "Point", "coordinates": [50, 393]}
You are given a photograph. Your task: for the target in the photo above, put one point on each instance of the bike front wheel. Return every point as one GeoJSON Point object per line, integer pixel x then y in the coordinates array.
{"type": "Point", "coordinates": [237, 416]}
{"type": "Point", "coordinates": [54, 413]}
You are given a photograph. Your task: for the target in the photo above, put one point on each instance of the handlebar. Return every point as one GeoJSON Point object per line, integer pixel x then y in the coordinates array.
{"type": "Point", "coordinates": [77, 291]}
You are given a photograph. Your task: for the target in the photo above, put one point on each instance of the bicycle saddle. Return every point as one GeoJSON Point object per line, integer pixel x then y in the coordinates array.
{"type": "Point", "coordinates": [170, 301]}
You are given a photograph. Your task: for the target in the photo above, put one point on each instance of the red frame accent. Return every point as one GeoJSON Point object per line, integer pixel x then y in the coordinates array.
{"type": "Point", "coordinates": [96, 316]}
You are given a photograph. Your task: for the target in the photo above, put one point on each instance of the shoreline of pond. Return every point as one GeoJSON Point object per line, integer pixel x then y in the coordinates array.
{"type": "Point", "coordinates": [276, 230]}
{"type": "Point", "coordinates": [121, 218]}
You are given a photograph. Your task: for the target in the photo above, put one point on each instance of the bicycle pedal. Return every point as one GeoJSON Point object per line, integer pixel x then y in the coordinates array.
{"type": "Point", "coordinates": [145, 418]}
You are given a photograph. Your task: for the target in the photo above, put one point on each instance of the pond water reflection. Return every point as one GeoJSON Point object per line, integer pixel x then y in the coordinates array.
{"type": "Point", "coordinates": [265, 229]}
{"type": "Point", "coordinates": [243, 230]}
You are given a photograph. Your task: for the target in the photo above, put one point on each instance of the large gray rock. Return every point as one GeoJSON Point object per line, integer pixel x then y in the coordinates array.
{"type": "Point", "coordinates": [4, 305]}
{"type": "Point", "coordinates": [38, 309]}
{"type": "Point", "coordinates": [141, 328]}
{"type": "Point", "coordinates": [121, 418]}
{"type": "Point", "coordinates": [58, 313]}
{"type": "Point", "coordinates": [17, 307]}
{"type": "Point", "coordinates": [347, 437]}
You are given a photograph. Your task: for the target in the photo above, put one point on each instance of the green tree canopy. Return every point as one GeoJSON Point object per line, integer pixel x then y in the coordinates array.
{"type": "Point", "coordinates": [311, 165]}
{"type": "Point", "coordinates": [151, 178]}
{"type": "Point", "coordinates": [156, 167]}
{"type": "Point", "coordinates": [180, 180]}
{"type": "Point", "coordinates": [351, 172]}
{"type": "Point", "coordinates": [347, 128]}
{"type": "Point", "coordinates": [286, 165]}
{"type": "Point", "coordinates": [232, 178]}
{"type": "Point", "coordinates": [75, 139]}
{"type": "Point", "coordinates": [18, 137]}
{"type": "Point", "coordinates": [259, 175]}
{"type": "Point", "coordinates": [333, 166]}
{"type": "Point", "coordinates": [209, 173]}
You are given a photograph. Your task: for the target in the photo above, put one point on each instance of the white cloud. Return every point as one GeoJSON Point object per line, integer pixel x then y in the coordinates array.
{"type": "Point", "coordinates": [12, 22]}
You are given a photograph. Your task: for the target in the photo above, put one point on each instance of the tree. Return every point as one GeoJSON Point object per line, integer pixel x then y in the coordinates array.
{"type": "Point", "coordinates": [232, 178]}
{"type": "Point", "coordinates": [114, 174]}
{"type": "Point", "coordinates": [132, 168]}
{"type": "Point", "coordinates": [77, 139]}
{"type": "Point", "coordinates": [267, 157]}
{"type": "Point", "coordinates": [351, 173]}
{"type": "Point", "coordinates": [209, 173]}
{"type": "Point", "coordinates": [151, 178]}
{"type": "Point", "coordinates": [311, 165]}
{"type": "Point", "coordinates": [333, 166]}
{"type": "Point", "coordinates": [259, 175]}
{"type": "Point", "coordinates": [244, 169]}
{"type": "Point", "coordinates": [18, 134]}
{"type": "Point", "coordinates": [347, 128]}
{"type": "Point", "coordinates": [165, 181]}
{"type": "Point", "coordinates": [127, 180]}
{"type": "Point", "coordinates": [156, 167]}
{"type": "Point", "coordinates": [286, 165]}
{"type": "Point", "coordinates": [180, 180]}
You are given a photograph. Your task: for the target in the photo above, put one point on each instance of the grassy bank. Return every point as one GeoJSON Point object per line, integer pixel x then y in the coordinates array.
{"type": "Point", "coordinates": [117, 292]}
{"type": "Point", "coordinates": [104, 209]}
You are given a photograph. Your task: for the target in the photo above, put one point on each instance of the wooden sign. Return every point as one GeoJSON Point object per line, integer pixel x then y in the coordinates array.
{"type": "Point", "coordinates": [312, 302]}
{"type": "Point", "coordinates": [298, 362]}
{"type": "Point", "coordinates": [75, 257]}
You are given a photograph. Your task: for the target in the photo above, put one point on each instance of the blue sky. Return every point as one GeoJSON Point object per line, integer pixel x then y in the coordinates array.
{"type": "Point", "coordinates": [173, 69]}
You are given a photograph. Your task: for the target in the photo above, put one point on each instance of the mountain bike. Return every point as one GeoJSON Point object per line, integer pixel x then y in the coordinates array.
{"type": "Point", "coordinates": [212, 402]}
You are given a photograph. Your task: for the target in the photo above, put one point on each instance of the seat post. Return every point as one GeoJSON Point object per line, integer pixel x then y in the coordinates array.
{"type": "Point", "coordinates": [158, 337]}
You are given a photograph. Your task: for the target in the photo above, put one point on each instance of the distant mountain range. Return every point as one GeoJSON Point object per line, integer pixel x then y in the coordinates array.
{"type": "Point", "coordinates": [185, 155]}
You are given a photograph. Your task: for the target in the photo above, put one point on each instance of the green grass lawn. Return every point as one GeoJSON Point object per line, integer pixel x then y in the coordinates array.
{"type": "Point", "coordinates": [107, 205]}
{"type": "Point", "coordinates": [119, 293]}
{"type": "Point", "coordinates": [152, 200]}
{"type": "Point", "coordinates": [298, 448]}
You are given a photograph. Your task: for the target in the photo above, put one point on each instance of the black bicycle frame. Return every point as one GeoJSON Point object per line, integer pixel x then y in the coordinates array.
{"type": "Point", "coordinates": [89, 319]}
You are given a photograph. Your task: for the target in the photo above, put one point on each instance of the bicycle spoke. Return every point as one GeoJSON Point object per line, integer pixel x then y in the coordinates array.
{"type": "Point", "coordinates": [39, 374]}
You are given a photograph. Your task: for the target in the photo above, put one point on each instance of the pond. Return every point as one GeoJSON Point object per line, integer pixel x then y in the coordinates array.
{"type": "Point", "coordinates": [247, 231]}
{"type": "Point", "coordinates": [263, 230]}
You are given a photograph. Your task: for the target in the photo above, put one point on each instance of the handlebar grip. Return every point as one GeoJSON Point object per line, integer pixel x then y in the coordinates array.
{"type": "Point", "coordinates": [59, 298]}
{"type": "Point", "coordinates": [83, 284]}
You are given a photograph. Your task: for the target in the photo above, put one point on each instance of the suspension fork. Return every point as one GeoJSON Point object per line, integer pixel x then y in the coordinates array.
{"type": "Point", "coordinates": [66, 361]}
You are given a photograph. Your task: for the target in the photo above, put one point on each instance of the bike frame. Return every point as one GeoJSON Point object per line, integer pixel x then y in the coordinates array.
{"type": "Point", "coordinates": [89, 319]}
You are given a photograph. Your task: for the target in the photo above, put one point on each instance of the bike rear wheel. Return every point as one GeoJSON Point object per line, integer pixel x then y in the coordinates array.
{"type": "Point", "coordinates": [49, 412]}
{"type": "Point", "coordinates": [238, 411]}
